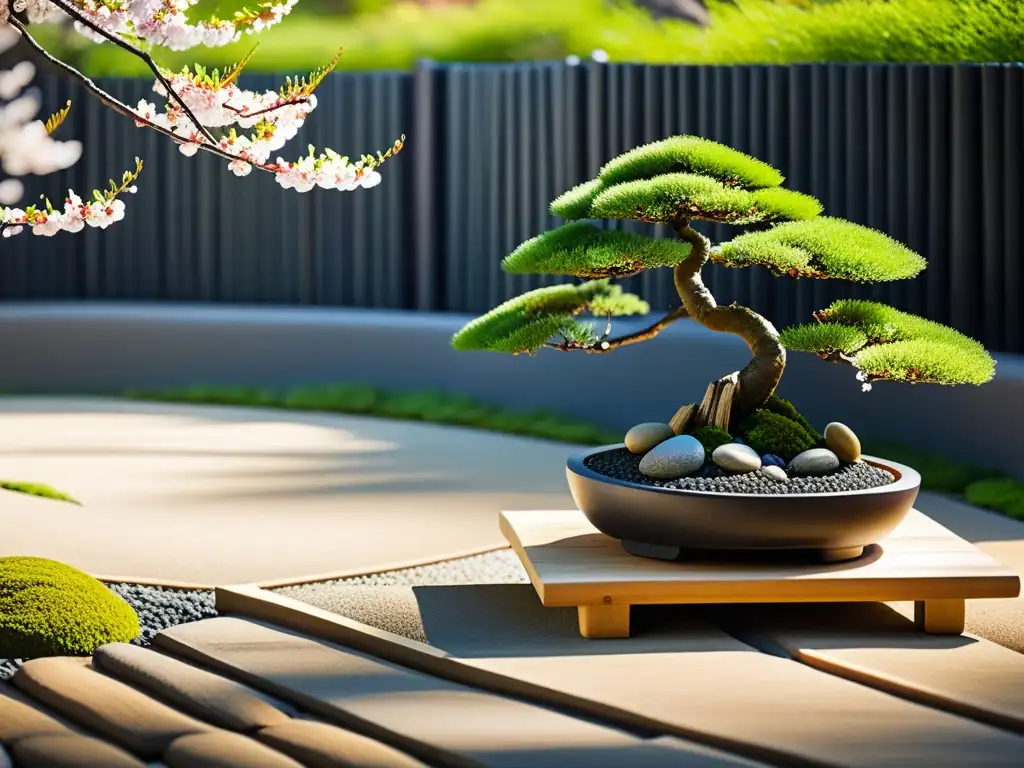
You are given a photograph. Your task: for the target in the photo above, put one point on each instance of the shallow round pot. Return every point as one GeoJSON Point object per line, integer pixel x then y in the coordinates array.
{"type": "Point", "coordinates": [659, 522]}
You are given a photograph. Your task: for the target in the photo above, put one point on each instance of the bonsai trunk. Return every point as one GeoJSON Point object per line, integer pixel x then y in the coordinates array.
{"type": "Point", "coordinates": [735, 396]}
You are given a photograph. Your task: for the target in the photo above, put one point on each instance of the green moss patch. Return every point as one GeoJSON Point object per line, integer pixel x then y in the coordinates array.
{"type": "Point", "coordinates": [823, 248]}
{"type": "Point", "coordinates": [36, 489]}
{"type": "Point", "coordinates": [711, 438]}
{"type": "Point", "coordinates": [51, 609]}
{"type": "Point", "coordinates": [582, 250]}
{"type": "Point", "coordinates": [769, 432]}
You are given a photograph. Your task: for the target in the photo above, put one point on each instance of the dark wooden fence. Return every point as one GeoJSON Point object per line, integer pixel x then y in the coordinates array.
{"type": "Point", "coordinates": [930, 154]}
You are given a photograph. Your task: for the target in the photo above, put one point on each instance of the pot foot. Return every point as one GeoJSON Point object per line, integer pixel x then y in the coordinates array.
{"type": "Point", "coordinates": [654, 551]}
{"type": "Point", "coordinates": [840, 555]}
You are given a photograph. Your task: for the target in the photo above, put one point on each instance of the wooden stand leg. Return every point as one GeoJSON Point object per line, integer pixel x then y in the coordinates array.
{"type": "Point", "coordinates": [940, 617]}
{"type": "Point", "coordinates": [604, 621]}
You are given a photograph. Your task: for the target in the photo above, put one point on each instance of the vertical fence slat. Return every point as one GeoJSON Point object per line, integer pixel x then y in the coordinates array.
{"type": "Point", "coordinates": [929, 154]}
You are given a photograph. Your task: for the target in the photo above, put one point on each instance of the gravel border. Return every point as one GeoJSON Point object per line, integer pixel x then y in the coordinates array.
{"type": "Point", "coordinates": [157, 608]}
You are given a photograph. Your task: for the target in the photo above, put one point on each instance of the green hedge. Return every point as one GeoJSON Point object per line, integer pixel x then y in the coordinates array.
{"type": "Point", "coordinates": [741, 32]}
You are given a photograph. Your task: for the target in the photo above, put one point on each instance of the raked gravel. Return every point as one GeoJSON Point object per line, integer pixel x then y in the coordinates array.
{"type": "Point", "coordinates": [387, 600]}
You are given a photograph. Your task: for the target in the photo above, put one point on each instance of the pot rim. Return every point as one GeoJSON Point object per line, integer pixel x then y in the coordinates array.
{"type": "Point", "coordinates": [907, 479]}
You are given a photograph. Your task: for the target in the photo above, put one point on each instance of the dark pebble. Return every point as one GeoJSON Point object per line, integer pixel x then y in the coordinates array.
{"type": "Point", "coordinates": [623, 465]}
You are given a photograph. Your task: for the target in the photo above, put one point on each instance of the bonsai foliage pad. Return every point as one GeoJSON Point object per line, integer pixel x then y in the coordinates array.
{"type": "Point", "coordinates": [572, 564]}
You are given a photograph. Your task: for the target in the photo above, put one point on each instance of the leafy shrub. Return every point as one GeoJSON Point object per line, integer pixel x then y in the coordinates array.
{"type": "Point", "coordinates": [51, 609]}
{"type": "Point", "coordinates": [741, 32]}
{"type": "Point", "coordinates": [937, 472]}
{"type": "Point", "coordinates": [769, 432]}
{"type": "Point", "coordinates": [1002, 494]}
{"type": "Point", "coordinates": [711, 437]}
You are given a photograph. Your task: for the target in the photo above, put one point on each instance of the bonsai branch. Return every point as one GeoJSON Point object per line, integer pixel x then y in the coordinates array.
{"type": "Point", "coordinates": [85, 21]}
{"type": "Point", "coordinates": [756, 382]}
{"type": "Point", "coordinates": [607, 345]}
{"type": "Point", "coordinates": [120, 107]}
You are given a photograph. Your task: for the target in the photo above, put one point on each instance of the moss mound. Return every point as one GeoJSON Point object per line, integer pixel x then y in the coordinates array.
{"type": "Point", "coordinates": [51, 609]}
{"type": "Point", "coordinates": [711, 437]}
{"type": "Point", "coordinates": [784, 407]}
{"type": "Point", "coordinates": [769, 432]}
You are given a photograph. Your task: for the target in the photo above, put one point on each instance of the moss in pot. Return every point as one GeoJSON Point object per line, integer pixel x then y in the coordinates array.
{"type": "Point", "coordinates": [741, 469]}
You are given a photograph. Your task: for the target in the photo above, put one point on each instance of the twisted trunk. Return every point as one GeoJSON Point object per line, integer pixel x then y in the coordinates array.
{"type": "Point", "coordinates": [756, 382]}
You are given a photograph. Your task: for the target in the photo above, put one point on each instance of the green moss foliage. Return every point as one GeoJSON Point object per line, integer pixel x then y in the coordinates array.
{"type": "Point", "coordinates": [783, 407]}
{"type": "Point", "coordinates": [711, 437]}
{"type": "Point", "coordinates": [525, 323]}
{"type": "Point", "coordinates": [769, 432]}
{"type": "Point", "coordinates": [691, 154]}
{"type": "Point", "coordinates": [582, 250]}
{"type": "Point", "coordinates": [575, 204]}
{"type": "Point", "coordinates": [429, 406]}
{"type": "Point", "coordinates": [36, 489]}
{"type": "Point", "coordinates": [51, 609]}
{"type": "Point", "coordinates": [689, 196]}
{"type": "Point", "coordinates": [899, 346]}
{"type": "Point", "coordinates": [823, 247]}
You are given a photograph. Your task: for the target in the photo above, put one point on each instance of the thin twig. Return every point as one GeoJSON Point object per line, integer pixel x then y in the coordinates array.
{"type": "Point", "coordinates": [646, 334]}
{"type": "Point", "coordinates": [242, 113]}
{"type": "Point", "coordinates": [122, 108]}
{"type": "Point", "coordinates": [80, 17]}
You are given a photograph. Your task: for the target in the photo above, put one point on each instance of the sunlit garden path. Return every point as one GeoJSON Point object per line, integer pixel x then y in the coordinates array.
{"type": "Point", "coordinates": [207, 495]}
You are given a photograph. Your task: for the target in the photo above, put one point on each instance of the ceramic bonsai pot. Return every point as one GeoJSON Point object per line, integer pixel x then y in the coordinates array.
{"type": "Point", "coordinates": [671, 523]}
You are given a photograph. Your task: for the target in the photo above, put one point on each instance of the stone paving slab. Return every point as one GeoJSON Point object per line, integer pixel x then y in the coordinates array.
{"type": "Point", "coordinates": [678, 674]}
{"type": "Point", "coordinates": [129, 718]}
{"type": "Point", "coordinates": [223, 749]}
{"type": "Point", "coordinates": [213, 495]}
{"type": "Point", "coordinates": [872, 644]}
{"type": "Point", "coordinates": [434, 719]}
{"type": "Point", "coordinates": [320, 745]}
{"type": "Point", "coordinates": [69, 750]}
{"type": "Point", "coordinates": [199, 693]}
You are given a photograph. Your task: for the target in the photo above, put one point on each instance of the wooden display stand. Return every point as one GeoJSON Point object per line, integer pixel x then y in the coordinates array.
{"type": "Point", "coordinates": [573, 564]}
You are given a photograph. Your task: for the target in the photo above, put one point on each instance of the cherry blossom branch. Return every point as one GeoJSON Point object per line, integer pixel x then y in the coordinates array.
{"type": "Point", "coordinates": [71, 10]}
{"type": "Point", "coordinates": [242, 113]}
{"type": "Point", "coordinates": [112, 102]}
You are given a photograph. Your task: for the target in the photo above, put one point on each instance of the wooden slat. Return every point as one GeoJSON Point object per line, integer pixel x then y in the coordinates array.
{"type": "Point", "coordinates": [874, 645]}
{"type": "Point", "coordinates": [571, 563]}
{"type": "Point", "coordinates": [678, 676]}
{"type": "Point", "coordinates": [436, 720]}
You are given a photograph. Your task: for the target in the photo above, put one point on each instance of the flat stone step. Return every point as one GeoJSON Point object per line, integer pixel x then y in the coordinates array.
{"type": "Point", "coordinates": [872, 644]}
{"type": "Point", "coordinates": [20, 719]}
{"type": "Point", "coordinates": [320, 745]}
{"type": "Point", "coordinates": [440, 722]}
{"type": "Point", "coordinates": [197, 692]}
{"type": "Point", "coordinates": [107, 707]}
{"type": "Point", "coordinates": [70, 750]}
{"type": "Point", "coordinates": [223, 749]}
{"type": "Point", "coordinates": [678, 674]}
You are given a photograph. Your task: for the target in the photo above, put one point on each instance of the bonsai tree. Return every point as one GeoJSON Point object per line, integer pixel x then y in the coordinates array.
{"type": "Point", "coordinates": [683, 179]}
